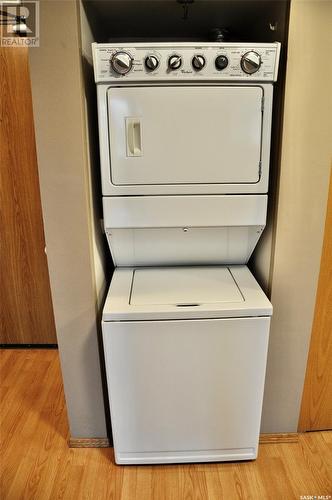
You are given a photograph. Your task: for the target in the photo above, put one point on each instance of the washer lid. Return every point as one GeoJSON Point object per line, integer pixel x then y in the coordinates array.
{"type": "Point", "coordinates": [183, 286]}
{"type": "Point", "coordinates": [142, 294]}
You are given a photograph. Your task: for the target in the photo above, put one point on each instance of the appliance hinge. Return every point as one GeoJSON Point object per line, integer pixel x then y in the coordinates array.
{"type": "Point", "coordinates": [260, 168]}
{"type": "Point", "coordinates": [262, 105]}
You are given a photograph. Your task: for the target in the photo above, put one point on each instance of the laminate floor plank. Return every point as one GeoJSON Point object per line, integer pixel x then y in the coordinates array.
{"type": "Point", "coordinates": [37, 464]}
{"type": "Point", "coordinates": [310, 443]}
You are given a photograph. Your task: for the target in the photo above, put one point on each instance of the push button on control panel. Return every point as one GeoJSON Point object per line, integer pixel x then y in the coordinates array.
{"type": "Point", "coordinates": [221, 62]}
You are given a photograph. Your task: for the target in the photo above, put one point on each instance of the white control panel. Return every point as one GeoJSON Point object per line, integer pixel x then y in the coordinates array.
{"type": "Point", "coordinates": [163, 62]}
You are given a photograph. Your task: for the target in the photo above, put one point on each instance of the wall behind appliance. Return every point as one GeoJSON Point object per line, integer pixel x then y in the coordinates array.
{"type": "Point", "coordinates": [74, 255]}
{"type": "Point", "coordinates": [101, 261]}
{"type": "Point", "coordinates": [304, 175]}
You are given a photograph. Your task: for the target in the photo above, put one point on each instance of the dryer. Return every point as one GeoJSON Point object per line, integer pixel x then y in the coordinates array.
{"type": "Point", "coordinates": [184, 144]}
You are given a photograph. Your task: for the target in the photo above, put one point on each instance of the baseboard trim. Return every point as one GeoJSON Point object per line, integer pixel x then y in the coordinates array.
{"type": "Point", "coordinates": [282, 437]}
{"type": "Point", "coordinates": [89, 443]}
{"type": "Point", "coordinates": [28, 346]}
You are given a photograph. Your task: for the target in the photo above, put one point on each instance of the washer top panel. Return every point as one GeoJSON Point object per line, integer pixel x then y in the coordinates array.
{"type": "Point", "coordinates": [154, 294]}
{"type": "Point", "coordinates": [176, 62]}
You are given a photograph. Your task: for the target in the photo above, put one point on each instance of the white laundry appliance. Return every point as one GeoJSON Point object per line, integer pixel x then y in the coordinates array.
{"type": "Point", "coordinates": [184, 144]}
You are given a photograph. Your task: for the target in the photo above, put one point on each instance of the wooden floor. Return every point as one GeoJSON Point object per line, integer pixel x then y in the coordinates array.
{"type": "Point", "coordinates": [36, 462]}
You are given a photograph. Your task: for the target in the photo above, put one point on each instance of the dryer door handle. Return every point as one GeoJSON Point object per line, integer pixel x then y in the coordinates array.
{"type": "Point", "coordinates": [134, 137]}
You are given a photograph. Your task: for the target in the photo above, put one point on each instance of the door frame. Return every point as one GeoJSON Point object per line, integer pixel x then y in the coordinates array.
{"type": "Point", "coordinates": [316, 406]}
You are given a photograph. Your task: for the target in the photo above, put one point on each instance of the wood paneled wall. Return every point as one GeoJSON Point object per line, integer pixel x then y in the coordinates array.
{"type": "Point", "coordinates": [26, 304]}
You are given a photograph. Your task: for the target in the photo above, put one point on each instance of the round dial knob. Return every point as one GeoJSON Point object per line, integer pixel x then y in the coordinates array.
{"type": "Point", "coordinates": [221, 62]}
{"type": "Point", "coordinates": [151, 63]}
{"type": "Point", "coordinates": [251, 62]}
{"type": "Point", "coordinates": [198, 62]}
{"type": "Point", "coordinates": [174, 62]}
{"type": "Point", "coordinates": [121, 63]}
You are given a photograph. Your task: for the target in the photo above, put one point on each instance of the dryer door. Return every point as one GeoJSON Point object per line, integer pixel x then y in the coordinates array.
{"type": "Point", "coordinates": [185, 135]}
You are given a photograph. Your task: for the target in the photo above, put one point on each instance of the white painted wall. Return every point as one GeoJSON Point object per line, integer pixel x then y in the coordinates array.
{"type": "Point", "coordinates": [59, 115]}
{"type": "Point", "coordinates": [305, 168]}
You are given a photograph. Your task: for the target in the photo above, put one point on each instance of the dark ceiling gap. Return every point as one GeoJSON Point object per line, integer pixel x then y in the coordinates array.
{"type": "Point", "coordinates": [162, 20]}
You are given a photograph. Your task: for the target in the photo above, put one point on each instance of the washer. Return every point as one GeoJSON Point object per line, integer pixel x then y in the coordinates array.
{"type": "Point", "coordinates": [185, 349]}
{"type": "Point", "coordinates": [184, 144]}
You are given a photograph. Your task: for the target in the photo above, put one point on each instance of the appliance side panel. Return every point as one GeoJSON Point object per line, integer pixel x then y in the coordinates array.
{"type": "Point", "coordinates": [104, 150]}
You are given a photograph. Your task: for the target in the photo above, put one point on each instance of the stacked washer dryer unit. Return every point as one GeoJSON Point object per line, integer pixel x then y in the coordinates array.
{"type": "Point", "coordinates": [184, 144]}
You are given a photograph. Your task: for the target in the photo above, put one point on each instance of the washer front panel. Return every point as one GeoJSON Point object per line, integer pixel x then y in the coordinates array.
{"type": "Point", "coordinates": [186, 390]}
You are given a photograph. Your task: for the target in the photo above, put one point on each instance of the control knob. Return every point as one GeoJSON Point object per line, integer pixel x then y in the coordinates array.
{"type": "Point", "coordinates": [151, 63]}
{"type": "Point", "coordinates": [121, 63]}
{"type": "Point", "coordinates": [221, 62]}
{"type": "Point", "coordinates": [251, 62]}
{"type": "Point", "coordinates": [174, 62]}
{"type": "Point", "coordinates": [198, 62]}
